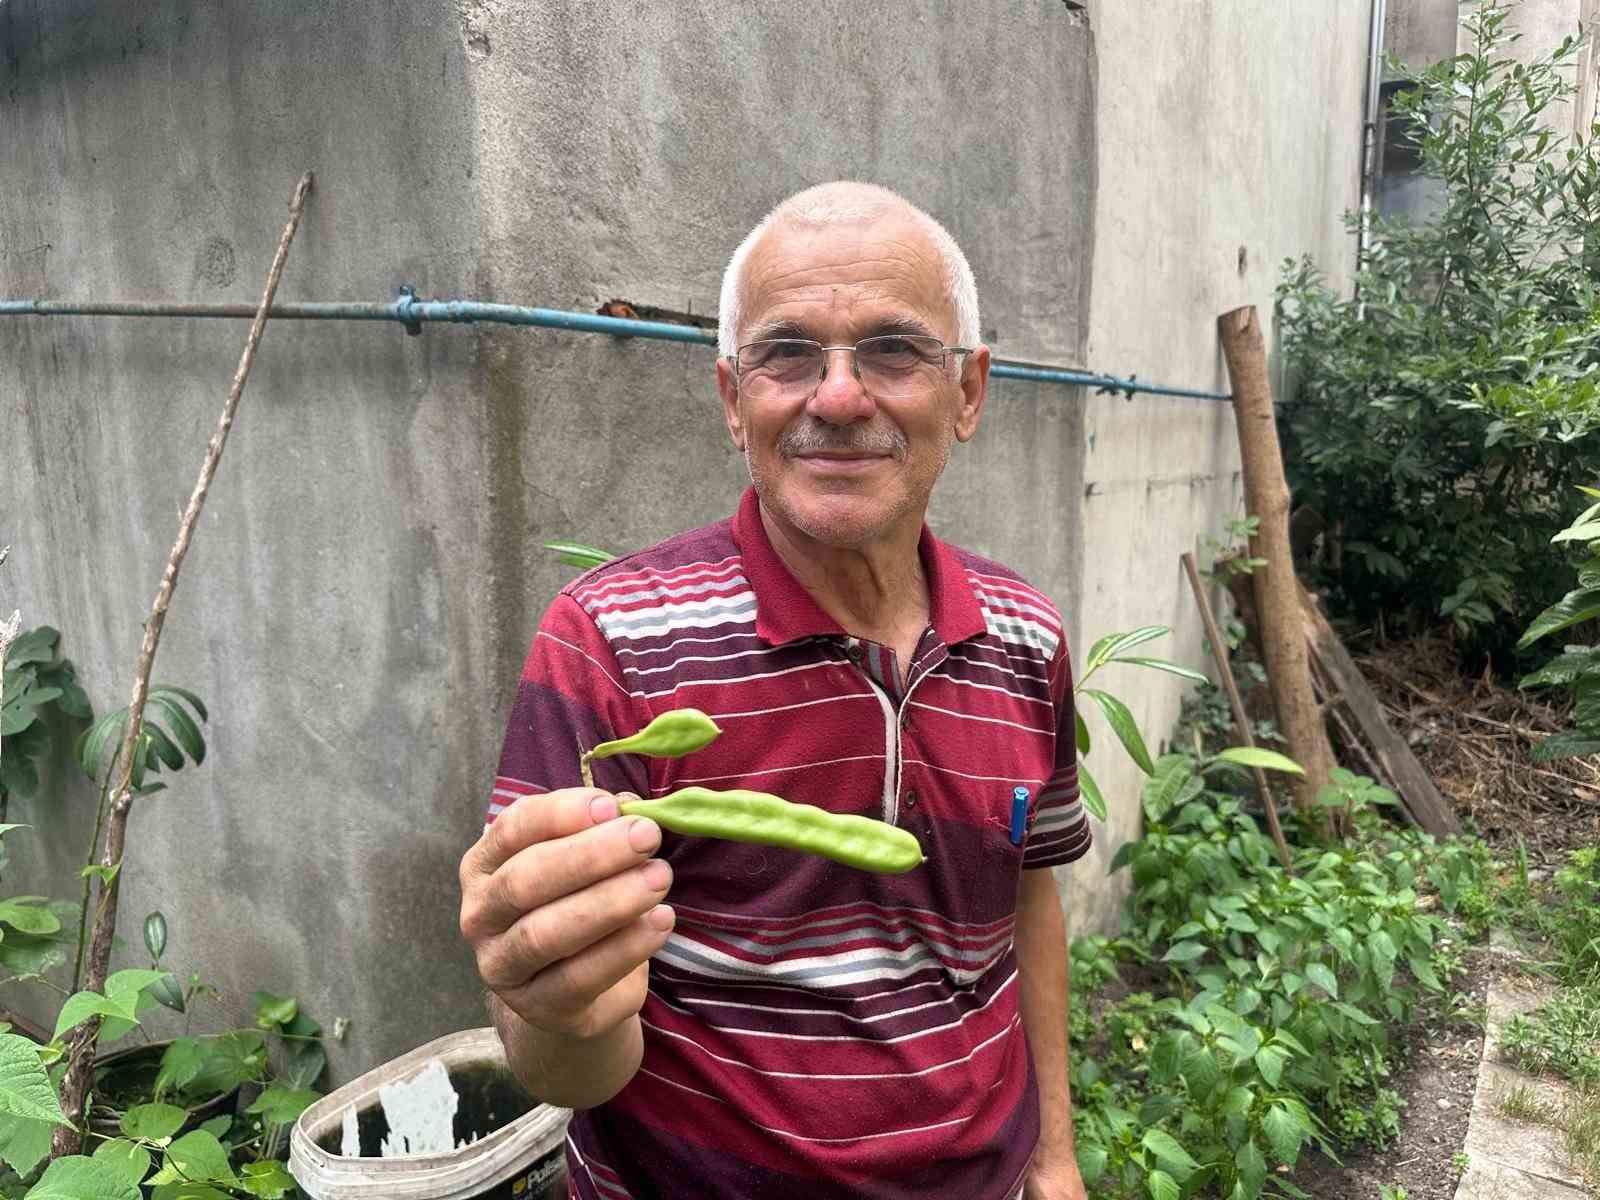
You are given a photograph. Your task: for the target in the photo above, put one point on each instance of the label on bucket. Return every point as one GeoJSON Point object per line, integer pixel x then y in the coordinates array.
{"type": "Point", "coordinates": [547, 1180]}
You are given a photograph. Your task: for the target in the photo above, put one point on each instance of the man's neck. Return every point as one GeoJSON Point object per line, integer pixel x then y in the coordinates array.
{"type": "Point", "coordinates": [877, 591]}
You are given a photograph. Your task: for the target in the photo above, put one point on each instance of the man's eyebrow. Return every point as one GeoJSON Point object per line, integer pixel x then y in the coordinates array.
{"type": "Point", "coordinates": [789, 328]}
{"type": "Point", "coordinates": [778, 329]}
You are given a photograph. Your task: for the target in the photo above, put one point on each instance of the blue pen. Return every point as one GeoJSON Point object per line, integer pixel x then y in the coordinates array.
{"type": "Point", "coordinates": [1019, 813]}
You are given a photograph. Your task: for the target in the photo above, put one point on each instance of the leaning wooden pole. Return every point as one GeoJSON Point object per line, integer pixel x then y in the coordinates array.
{"type": "Point", "coordinates": [1276, 589]}
{"type": "Point", "coordinates": [1241, 719]}
{"type": "Point", "coordinates": [81, 1041]}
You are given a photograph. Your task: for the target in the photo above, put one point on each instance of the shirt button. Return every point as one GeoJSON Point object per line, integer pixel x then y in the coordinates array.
{"type": "Point", "coordinates": [911, 799]}
{"type": "Point", "coordinates": [854, 652]}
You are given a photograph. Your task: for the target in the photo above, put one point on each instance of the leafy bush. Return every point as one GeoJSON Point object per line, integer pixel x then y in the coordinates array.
{"type": "Point", "coordinates": [1577, 666]}
{"type": "Point", "coordinates": [1272, 1031]}
{"type": "Point", "coordinates": [36, 680]}
{"type": "Point", "coordinates": [1442, 416]}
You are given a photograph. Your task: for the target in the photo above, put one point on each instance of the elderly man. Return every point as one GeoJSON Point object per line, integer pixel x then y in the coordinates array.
{"type": "Point", "coordinates": [732, 1020]}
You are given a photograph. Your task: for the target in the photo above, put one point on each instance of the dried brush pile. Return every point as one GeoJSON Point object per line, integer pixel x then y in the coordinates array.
{"type": "Point", "coordinates": [1474, 735]}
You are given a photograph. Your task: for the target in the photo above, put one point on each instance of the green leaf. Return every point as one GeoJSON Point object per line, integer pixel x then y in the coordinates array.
{"type": "Point", "coordinates": [197, 1156]}
{"type": "Point", "coordinates": [575, 554]}
{"type": "Point", "coordinates": [29, 1110]}
{"type": "Point", "coordinates": [76, 1177]}
{"type": "Point", "coordinates": [183, 728]}
{"type": "Point", "coordinates": [270, 1181]}
{"type": "Point", "coordinates": [104, 874]}
{"type": "Point", "coordinates": [1167, 1148]}
{"type": "Point", "coordinates": [280, 1105]}
{"type": "Point", "coordinates": [1172, 668]}
{"type": "Point", "coordinates": [129, 1159]}
{"type": "Point", "coordinates": [26, 914]}
{"type": "Point", "coordinates": [1270, 1061]}
{"type": "Point", "coordinates": [1120, 718]}
{"type": "Point", "coordinates": [1565, 745]}
{"type": "Point", "coordinates": [1283, 1133]}
{"type": "Point", "coordinates": [1161, 1186]}
{"type": "Point", "coordinates": [36, 645]}
{"type": "Point", "coordinates": [1089, 792]}
{"type": "Point", "coordinates": [1319, 974]}
{"type": "Point", "coordinates": [99, 744]}
{"type": "Point", "coordinates": [80, 1006]}
{"type": "Point", "coordinates": [274, 1010]}
{"type": "Point", "coordinates": [1252, 1167]}
{"type": "Point", "coordinates": [1171, 784]}
{"type": "Point", "coordinates": [1586, 532]}
{"type": "Point", "coordinates": [1572, 609]}
{"type": "Point", "coordinates": [153, 1121]}
{"type": "Point", "coordinates": [1165, 1057]}
{"type": "Point", "coordinates": [155, 934]}
{"type": "Point", "coordinates": [184, 694]}
{"type": "Point", "coordinates": [1184, 952]}
{"type": "Point", "coordinates": [189, 1191]}
{"type": "Point", "coordinates": [1082, 732]}
{"type": "Point", "coordinates": [1091, 1162]}
{"type": "Point", "coordinates": [126, 985]}
{"type": "Point", "coordinates": [1255, 756]}
{"type": "Point", "coordinates": [1116, 643]}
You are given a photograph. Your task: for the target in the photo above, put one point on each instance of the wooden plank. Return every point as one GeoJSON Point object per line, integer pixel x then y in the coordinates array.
{"type": "Point", "coordinates": [1419, 796]}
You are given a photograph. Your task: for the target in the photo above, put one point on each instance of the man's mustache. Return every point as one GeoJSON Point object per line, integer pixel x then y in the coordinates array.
{"type": "Point", "coordinates": [811, 436]}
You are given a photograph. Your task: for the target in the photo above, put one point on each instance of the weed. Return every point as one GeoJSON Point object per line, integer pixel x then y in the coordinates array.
{"type": "Point", "coordinates": [1522, 1103]}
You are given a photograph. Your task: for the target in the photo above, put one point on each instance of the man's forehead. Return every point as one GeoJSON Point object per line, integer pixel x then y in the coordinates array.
{"type": "Point", "coordinates": [863, 269]}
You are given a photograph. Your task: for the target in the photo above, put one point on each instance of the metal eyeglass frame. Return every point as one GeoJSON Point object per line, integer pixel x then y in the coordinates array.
{"type": "Point", "coordinates": [855, 364]}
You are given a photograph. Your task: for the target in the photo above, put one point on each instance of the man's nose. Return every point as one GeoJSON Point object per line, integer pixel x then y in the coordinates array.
{"type": "Point", "coordinates": [840, 399]}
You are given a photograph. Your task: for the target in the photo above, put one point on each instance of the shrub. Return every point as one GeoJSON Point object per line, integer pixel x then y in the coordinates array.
{"type": "Point", "coordinates": [1441, 417]}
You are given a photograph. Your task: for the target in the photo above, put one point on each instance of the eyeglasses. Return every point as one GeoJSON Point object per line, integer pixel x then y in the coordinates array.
{"type": "Point", "coordinates": [889, 366]}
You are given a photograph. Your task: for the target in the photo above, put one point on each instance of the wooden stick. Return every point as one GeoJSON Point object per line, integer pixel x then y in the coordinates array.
{"type": "Point", "coordinates": [1283, 641]}
{"type": "Point", "coordinates": [1241, 720]}
{"type": "Point", "coordinates": [81, 1041]}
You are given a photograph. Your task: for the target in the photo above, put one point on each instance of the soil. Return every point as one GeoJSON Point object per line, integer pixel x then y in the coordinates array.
{"type": "Point", "coordinates": [1437, 1082]}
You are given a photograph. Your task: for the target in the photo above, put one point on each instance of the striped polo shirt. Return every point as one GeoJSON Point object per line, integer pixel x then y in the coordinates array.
{"type": "Point", "coordinates": [813, 1030]}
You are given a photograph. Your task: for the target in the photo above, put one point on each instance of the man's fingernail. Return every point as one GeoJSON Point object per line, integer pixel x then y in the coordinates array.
{"type": "Point", "coordinates": [660, 917]}
{"type": "Point", "coordinates": [602, 808]}
{"type": "Point", "coordinates": [644, 835]}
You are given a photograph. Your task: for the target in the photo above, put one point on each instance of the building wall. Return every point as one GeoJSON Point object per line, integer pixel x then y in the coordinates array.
{"type": "Point", "coordinates": [367, 575]}
{"type": "Point", "coordinates": [1228, 138]}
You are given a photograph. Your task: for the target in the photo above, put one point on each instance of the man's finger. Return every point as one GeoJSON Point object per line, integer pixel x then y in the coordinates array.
{"type": "Point", "coordinates": [538, 818]}
{"type": "Point", "coordinates": [575, 984]}
{"type": "Point", "coordinates": [550, 932]}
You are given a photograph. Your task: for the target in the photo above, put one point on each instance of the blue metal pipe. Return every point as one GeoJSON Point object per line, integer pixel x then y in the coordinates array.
{"type": "Point", "coordinates": [411, 312]}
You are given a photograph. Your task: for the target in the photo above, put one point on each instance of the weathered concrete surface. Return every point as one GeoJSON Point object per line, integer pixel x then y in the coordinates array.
{"type": "Point", "coordinates": [1228, 139]}
{"type": "Point", "coordinates": [367, 577]}
{"type": "Point", "coordinates": [1510, 1159]}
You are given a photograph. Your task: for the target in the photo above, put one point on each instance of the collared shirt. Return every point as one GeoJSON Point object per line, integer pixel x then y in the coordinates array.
{"type": "Point", "coordinates": [813, 1030]}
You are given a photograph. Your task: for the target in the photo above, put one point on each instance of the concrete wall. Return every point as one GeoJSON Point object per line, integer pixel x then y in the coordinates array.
{"type": "Point", "coordinates": [367, 577]}
{"type": "Point", "coordinates": [1228, 138]}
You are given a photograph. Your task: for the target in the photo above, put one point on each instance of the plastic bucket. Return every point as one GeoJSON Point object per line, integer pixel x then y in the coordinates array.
{"type": "Point", "coordinates": [518, 1152]}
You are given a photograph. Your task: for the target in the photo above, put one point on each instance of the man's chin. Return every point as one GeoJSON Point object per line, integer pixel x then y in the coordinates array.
{"type": "Point", "coordinates": [841, 519]}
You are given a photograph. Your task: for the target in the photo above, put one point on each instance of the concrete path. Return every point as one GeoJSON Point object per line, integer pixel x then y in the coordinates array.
{"type": "Point", "coordinates": [1513, 1160]}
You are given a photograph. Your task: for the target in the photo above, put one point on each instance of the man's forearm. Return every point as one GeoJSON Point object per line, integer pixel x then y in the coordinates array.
{"type": "Point", "coordinates": [1041, 939]}
{"type": "Point", "coordinates": [564, 1071]}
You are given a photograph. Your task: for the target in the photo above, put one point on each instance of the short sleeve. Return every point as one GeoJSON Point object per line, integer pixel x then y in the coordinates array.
{"type": "Point", "coordinates": [1060, 832]}
{"type": "Point", "coordinates": [570, 697]}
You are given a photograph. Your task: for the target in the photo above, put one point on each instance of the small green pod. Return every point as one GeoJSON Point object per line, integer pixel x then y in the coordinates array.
{"type": "Point", "coordinates": [673, 734]}
{"type": "Point", "coordinates": [768, 820]}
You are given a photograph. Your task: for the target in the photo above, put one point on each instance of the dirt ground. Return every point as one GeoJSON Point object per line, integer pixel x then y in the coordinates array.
{"type": "Point", "coordinates": [1437, 1082]}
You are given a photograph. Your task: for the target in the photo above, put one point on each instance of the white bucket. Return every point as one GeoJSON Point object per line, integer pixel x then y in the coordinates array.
{"type": "Point", "coordinates": [522, 1158]}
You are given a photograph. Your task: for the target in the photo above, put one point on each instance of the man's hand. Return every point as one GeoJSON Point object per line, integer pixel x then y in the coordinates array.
{"type": "Point", "coordinates": [1055, 1183]}
{"type": "Point", "coordinates": [561, 904]}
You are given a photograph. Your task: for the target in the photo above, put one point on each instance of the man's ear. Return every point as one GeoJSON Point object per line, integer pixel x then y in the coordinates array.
{"type": "Point", "coordinates": [974, 391]}
{"type": "Point", "coordinates": [728, 388]}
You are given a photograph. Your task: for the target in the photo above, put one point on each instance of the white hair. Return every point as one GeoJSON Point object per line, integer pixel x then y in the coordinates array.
{"type": "Point", "coordinates": [845, 203]}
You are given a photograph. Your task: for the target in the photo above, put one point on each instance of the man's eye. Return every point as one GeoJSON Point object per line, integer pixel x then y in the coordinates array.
{"type": "Point", "coordinates": [790, 352]}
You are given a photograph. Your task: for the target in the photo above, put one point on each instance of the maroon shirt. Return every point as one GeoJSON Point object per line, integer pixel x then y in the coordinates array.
{"type": "Point", "coordinates": [813, 1030]}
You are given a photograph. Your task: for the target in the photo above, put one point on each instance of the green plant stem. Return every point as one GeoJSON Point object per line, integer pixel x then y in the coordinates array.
{"type": "Point", "coordinates": [83, 905]}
